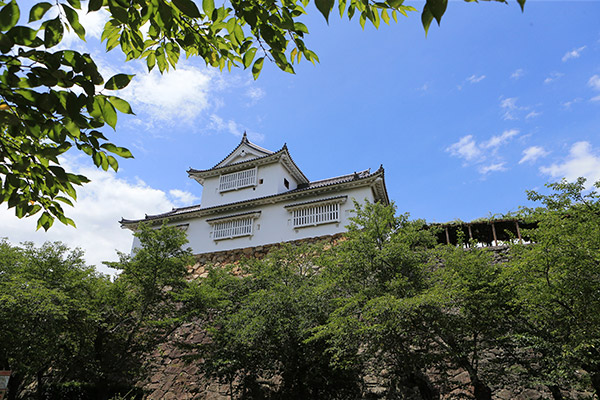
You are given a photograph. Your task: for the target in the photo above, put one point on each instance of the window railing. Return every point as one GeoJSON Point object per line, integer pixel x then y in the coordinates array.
{"type": "Point", "coordinates": [316, 215]}
{"type": "Point", "coordinates": [237, 180]}
{"type": "Point", "coordinates": [234, 228]}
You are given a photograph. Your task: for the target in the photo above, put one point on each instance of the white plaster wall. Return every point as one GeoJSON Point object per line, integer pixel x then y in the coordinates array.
{"type": "Point", "coordinates": [271, 174]}
{"type": "Point", "coordinates": [274, 224]}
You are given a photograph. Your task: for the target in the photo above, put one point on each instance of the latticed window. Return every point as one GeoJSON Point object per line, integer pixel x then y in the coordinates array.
{"type": "Point", "coordinates": [316, 215]}
{"type": "Point", "coordinates": [233, 228]}
{"type": "Point", "coordinates": [237, 180]}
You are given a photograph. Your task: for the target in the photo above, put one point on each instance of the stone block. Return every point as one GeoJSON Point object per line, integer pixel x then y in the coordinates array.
{"type": "Point", "coordinates": [503, 394]}
{"type": "Point", "coordinates": [529, 394]}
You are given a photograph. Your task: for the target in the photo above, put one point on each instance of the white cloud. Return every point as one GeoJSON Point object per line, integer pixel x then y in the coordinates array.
{"type": "Point", "coordinates": [180, 94]}
{"type": "Point", "coordinates": [533, 153]}
{"type": "Point", "coordinates": [568, 104]}
{"type": "Point", "coordinates": [499, 140]}
{"type": "Point", "coordinates": [575, 53]}
{"type": "Point", "coordinates": [476, 153]}
{"type": "Point", "coordinates": [100, 205]}
{"type": "Point", "coordinates": [581, 161]}
{"type": "Point", "coordinates": [517, 74]}
{"type": "Point", "coordinates": [255, 94]}
{"type": "Point", "coordinates": [465, 148]}
{"type": "Point", "coordinates": [552, 77]}
{"type": "Point", "coordinates": [219, 124]}
{"type": "Point", "coordinates": [510, 108]}
{"type": "Point", "coordinates": [533, 114]}
{"type": "Point", "coordinates": [492, 168]}
{"type": "Point", "coordinates": [183, 198]}
{"type": "Point", "coordinates": [512, 111]}
{"type": "Point", "coordinates": [594, 82]}
{"type": "Point", "coordinates": [475, 79]}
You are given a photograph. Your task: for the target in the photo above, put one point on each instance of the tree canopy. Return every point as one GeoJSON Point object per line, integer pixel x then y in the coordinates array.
{"type": "Point", "coordinates": [70, 332]}
{"type": "Point", "coordinates": [53, 101]}
{"type": "Point", "coordinates": [387, 304]}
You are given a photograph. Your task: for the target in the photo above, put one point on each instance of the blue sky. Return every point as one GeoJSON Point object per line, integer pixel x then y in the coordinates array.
{"type": "Point", "coordinates": [490, 104]}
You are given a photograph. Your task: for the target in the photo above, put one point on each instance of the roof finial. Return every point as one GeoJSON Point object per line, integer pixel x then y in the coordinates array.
{"type": "Point", "coordinates": [244, 137]}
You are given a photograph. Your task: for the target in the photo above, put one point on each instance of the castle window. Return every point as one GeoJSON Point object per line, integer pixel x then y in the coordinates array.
{"type": "Point", "coordinates": [286, 183]}
{"type": "Point", "coordinates": [237, 180]}
{"type": "Point", "coordinates": [316, 212]}
{"type": "Point", "coordinates": [233, 226]}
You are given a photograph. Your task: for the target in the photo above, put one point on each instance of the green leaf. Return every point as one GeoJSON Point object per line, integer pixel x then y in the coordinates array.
{"type": "Point", "coordinates": [325, 6]}
{"type": "Point", "coordinates": [208, 6]}
{"type": "Point", "coordinates": [120, 104]}
{"type": "Point", "coordinates": [120, 151]}
{"type": "Point", "coordinates": [118, 81]}
{"type": "Point", "coordinates": [300, 27]}
{"type": "Point", "coordinates": [45, 221]}
{"type": "Point", "coordinates": [341, 7]}
{"type": "Point", "coordinates": [37, 12]}
{"type": "Point", "coordinates": [64, 200]}
{"type": "Point", "coordinates": [249, 57]}
{"type": "Point", "coordinates": [73, 19]}
{"type": "Point", "coordinates": [109, 114]}
{"type": "Point", "coordinates": [426, 18]}
{"type": "Point", "coordinates": [9, 16]}
{"type": "Point", "coordinates": [437, 8]}
{"type": "Point", "coordinates": [385, 17]}
{"type": "Point", "coordinates": [113, 163]}
{"type": "Point", "coordinates": [5, 43]}
{"type": "Point", "coordinates": [522, 4]}
{"type": "Point", "coordinates": [258, 64]}
{"type": "Point", "coordinates": [24, 36]}
{"type": "Point", "coordinates": [151, 61]}
{"type": "Point", "coordinates": [66, 220]}
{"type": "Point", "coordinates": [53, 32]}
{"type": "Point", "coordinates": [75, 4]}
{"type": "Point", "coordinates": [188, 7]}
{"type": "Point", "coordinates": [94, 5]}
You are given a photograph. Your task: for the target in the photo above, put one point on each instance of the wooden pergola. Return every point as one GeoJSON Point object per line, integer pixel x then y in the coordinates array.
{"type": "Point", "coordinates": [487, 233]}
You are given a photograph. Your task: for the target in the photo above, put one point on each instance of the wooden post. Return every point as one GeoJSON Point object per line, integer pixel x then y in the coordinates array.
{"type": "Point", "coordinates": [447, 236]}
{"type": "Point", "coordinates": [494, 233]}
{"type": "Point", "coordinates": [518, 232]}
{"type": "Point", "coordinates": [470, 235]}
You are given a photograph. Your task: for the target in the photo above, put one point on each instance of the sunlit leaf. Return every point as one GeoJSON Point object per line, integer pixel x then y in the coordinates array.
{"type": "Point", "coordinates": [9, 16]}
{"type": "Point", "coordinates": [37, 12]}
{"type": "Point", "coordinates": [118, 81]}
{"type": "Point", "coordinates": [257, 67]}
{"type": "Point", "coordinates": [188, 7]}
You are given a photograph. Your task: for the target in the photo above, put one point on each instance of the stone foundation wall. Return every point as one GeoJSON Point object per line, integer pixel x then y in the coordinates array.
{"type": "Point", "coordinates": [233, 257]}
{"type": "Point", "coordinates": [172, 378]}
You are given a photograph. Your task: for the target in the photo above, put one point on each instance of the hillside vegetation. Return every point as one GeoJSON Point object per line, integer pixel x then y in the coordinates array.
{"type": "Point", "coordinates": [388, 304]}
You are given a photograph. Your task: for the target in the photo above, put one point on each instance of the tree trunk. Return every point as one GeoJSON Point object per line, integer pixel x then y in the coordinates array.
{"type": "Point", "coordinates": [14, 384]}
{"type": "Point", "coordinates": [40, 384]}
{"type": "Point", "coordinates": [481, 390]}
{"type": "Point", "coordinates": [595, 378]}
{"type": "Point", "coordinates": [427, 390]}
{"type": "Point", "coordinates": [555, 390]}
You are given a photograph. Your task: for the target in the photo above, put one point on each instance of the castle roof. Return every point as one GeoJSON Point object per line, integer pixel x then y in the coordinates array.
{"type": "Point", "coordinates": [247, 155]}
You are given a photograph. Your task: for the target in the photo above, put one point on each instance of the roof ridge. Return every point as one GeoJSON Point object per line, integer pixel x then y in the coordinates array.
{"type": "Point", "coordinates": [192, 170]}
{"type": "Point", "coordinates": [368, 170]}
{"type": "Point", "coordinates": [243, 141]}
